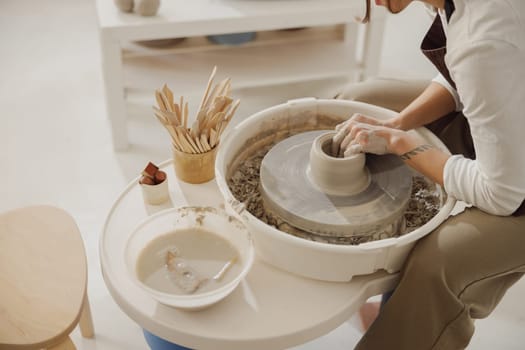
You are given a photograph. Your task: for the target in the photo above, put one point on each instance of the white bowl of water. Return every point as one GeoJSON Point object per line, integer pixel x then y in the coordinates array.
{"type": "Point", "coordinates": [189, 257]}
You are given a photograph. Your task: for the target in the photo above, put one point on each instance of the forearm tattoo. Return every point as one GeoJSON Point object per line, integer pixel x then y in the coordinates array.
{"type": "Point", "coordinates": [419, 149]}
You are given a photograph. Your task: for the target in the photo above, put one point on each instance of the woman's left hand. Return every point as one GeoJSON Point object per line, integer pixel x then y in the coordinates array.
{"type": "Point", "coordinates": [364, 134]}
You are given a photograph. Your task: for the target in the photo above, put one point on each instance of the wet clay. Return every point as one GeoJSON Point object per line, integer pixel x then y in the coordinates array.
{"type": "Point", "coordinates": [425, 200]}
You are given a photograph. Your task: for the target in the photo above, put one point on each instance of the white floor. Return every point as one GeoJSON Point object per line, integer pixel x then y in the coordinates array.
{"type": "Point", "coordinates": [55, 148]}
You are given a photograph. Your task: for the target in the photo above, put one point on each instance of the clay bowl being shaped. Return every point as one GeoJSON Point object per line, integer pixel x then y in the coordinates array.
{"type": "Point", "coordinates": [189, 257]}
{"type": "Point", "coordinates": [295, 254]}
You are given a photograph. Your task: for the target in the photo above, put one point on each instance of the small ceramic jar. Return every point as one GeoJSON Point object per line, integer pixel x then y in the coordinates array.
{"type": "Point", "coordinates": [154, 185]}
{"type": "Point", "coordinates": [155, 194]}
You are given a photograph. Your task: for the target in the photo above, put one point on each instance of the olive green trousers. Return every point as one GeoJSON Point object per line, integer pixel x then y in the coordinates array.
{"type": "Point", "coordinates": [457, 273]}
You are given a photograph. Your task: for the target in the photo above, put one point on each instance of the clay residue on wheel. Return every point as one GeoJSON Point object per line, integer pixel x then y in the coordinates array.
{"type": "Point", "coordinates": [243, 180]}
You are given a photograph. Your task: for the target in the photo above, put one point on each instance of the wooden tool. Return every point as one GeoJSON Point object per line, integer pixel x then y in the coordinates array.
{"type": "Point", "coordinates": [216, 109]}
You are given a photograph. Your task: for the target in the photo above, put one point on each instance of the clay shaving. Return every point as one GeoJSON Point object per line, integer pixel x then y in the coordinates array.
{"type": "Point", "coordinates": [424, 203]}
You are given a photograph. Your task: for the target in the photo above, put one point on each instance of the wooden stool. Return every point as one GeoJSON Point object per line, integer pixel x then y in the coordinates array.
{"type": "Point", "coordinates": [43, 278]}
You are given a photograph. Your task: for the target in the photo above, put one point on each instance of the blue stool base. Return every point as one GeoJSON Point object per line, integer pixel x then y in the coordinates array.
{"type": "Point", "coordinates": [156, 343]}
{"type": "Point", "coordinates": [385, 297]}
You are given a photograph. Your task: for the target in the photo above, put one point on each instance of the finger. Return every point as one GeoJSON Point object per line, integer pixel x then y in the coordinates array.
{"type": "Point", "coordinates": [346, 122]}
{"type": "Point", "coordinates": [368, 120]}
{"type": "Point", "coordinates": [336, 141]}
{"type": "Point", "coordinates": [339, 136]}
{"type": "Point", "coordinates": [358, 117]}
{"type": "Point", "coordinates": [351, 135]}
{"type": "Point", "coordinates": [346, 141]}
{"type": "Point", "coordinates": [358, 144]}
{"type": "Point", "coordinates": [335, 146]}
{"type": "Point", "coordinates": [363, 136]}
{"type": "Point", "coordinates": [353, 149]}
{"type": "Point", "coordinates": [342, 124]}
{"type": "Point", "coordinates": [341, 153]}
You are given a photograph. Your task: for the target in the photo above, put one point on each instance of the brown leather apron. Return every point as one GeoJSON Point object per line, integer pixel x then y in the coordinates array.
{"type": "Point", "coordinates": [452, 128]}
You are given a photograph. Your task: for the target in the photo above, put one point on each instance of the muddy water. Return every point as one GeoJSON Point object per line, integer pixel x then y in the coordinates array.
{"type": "Point", "coordinates": [201, 255]}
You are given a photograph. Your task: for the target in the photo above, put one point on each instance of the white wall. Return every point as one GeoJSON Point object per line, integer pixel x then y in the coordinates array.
{"type": "Point", "coordinates": [401, 56]}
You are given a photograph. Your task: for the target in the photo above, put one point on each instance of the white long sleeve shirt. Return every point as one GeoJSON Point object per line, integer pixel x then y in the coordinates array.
{"type": "Point", "coordinates": [486, 60]}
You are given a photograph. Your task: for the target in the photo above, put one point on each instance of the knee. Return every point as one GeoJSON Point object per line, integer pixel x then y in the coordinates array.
{"type": "Point", "coordinates": [433, 265]}
{"type": "Point", "coordinates": [366, 91]}
{"type": "Point", "coordinates": [425, 261]}
{"type": "Point", "coordinates": [388, 93]}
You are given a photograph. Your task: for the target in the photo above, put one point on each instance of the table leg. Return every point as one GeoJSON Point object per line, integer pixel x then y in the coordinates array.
{"type": "Point", "coordinates": [350, 39]}
{"type": "Point", "coordinates": [66, 344]}
{"type": "Point", "coordinates": [370, 39]}
{"type": "Point", "coordinates": [114, 89]}
{"type": "Point", "coordinates": [86, 322]}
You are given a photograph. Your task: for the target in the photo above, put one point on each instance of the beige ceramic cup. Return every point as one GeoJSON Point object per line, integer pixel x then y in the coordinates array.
{"type": "Point", "coordinates": [195, 168]}
{"type": "Point", "coordinates": [155, 194]}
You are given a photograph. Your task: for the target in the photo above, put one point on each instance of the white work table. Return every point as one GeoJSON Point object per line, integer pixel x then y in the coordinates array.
{"type": "Point", "coordinates": [270, 309]}
{"type": "Point", "coordinates": [332, 46]}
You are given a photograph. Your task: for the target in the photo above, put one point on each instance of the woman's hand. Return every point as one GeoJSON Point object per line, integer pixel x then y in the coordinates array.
{"type": "Point", "coordinates": [365, 134]}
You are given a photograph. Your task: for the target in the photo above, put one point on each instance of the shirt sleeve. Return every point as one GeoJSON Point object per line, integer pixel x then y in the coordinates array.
{"type": "Point", "coordinates": [440, 79]}
{"type": "Point", "coordinates": [489, 76]}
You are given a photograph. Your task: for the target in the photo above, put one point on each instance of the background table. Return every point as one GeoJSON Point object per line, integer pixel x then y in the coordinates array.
{"type": "Point", "coordinates": [270, 309]}
{"type": "Point", "coordinates": [333, 46]}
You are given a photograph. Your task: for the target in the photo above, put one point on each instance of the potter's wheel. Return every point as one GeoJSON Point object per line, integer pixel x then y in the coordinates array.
{"type": "Point", "coordinates": [293, 191]}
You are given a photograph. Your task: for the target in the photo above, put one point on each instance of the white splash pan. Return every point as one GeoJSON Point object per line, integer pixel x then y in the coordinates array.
{"type": "Point", "coordinates": [321, 261]}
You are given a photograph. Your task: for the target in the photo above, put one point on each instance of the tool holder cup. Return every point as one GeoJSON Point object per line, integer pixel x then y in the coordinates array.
{"type": "Point", "coordinates": [194, 168]}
